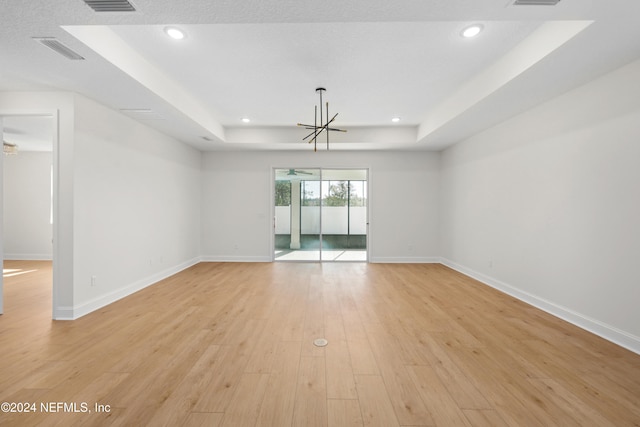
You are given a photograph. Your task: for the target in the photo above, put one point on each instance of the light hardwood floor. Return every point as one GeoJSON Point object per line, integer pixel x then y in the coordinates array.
{"type": "Point", "coordinates": [232, 345]}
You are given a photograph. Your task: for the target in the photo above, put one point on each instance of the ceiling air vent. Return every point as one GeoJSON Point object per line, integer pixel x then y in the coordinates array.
{"type": "Point", "coordinates": [536, 2]}
{"type": "Point", "coordinates": [55, 45]}
{"type": "Point", "coordinates": [110, 5]}
{"type": "Point", "coordinates": [142, 114]}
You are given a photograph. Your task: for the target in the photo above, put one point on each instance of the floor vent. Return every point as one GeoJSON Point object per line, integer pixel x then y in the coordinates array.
{"type": "Point", "coordinates": [110, 5]}
{"type": "Point", "coordinates": [320, 342]}
{"type": "Point", "coordinates": [55, 45]}
{"type": "Point", "coordinates": [536, 2]}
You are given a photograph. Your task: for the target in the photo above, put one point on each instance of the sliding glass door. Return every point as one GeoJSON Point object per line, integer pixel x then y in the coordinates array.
{"type": "Point", "coordinates": [320, 214]}
{"type": "Point", "coordinates": [344, 215]}
{"type": "Point", "coordinates": [297, 215]}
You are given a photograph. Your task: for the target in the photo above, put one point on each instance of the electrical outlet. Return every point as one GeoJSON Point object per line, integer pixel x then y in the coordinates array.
{"type": "Point", "coordinates": [93, 281]}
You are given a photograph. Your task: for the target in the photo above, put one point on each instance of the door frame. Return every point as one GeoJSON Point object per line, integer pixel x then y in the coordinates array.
{"type": "Point", "coordinates": [54, 113]}
{"type": "Point", "coordinates": [272, 224]}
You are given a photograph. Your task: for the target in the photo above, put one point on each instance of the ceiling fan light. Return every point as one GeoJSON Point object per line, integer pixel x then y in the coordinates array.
{"type": "Point", "coordinates": [472, 31]}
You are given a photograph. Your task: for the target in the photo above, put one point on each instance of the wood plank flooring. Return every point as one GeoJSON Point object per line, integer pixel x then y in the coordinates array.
{"type": "Point", "coordinates": [231, 344]}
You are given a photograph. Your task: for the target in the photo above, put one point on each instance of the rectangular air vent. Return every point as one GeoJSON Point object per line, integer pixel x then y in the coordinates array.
{"type": "Point", "coordinates": [110, 5]}
{"type": "Point", "coordinates": [142, 114]}
{"type": "Point", "coordinates": [536, 2]}
{"type": "Point", "coordinates": [55, 45]}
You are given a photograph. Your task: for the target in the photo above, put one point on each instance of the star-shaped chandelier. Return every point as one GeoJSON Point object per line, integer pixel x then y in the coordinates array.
{"type": "Point", "coordinates": [317, 129]}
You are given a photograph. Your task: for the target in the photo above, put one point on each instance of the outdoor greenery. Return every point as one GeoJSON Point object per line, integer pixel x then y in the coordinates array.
{"type": "Point", "coordinates": [340, 193]}
{"type": "Point", "coordinates": [283, 193]}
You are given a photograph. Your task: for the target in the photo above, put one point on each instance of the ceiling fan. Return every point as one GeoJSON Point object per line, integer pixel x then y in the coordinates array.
{"type": "Point", "coordinates": [295, 172]}
{"type": "Point", "coordinates": [9, 148]}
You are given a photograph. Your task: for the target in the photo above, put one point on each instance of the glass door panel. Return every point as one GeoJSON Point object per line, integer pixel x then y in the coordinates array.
{"type": "Point", "coordinates": [344, 215]}
{"type": "Point", "coordinates": [297, 215]}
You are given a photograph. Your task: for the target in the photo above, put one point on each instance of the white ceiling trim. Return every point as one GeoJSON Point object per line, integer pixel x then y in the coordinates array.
{"type": "Point", "coordinates": [542, 42]}
{"type": "Point", "coordinates": [110, 46]}
{"type": "Point", "coordinates": [263, 59]}
{"type": "Point", "coordinates": [539, 44]}
{"type": "Point", "coordinates": [368, 137]}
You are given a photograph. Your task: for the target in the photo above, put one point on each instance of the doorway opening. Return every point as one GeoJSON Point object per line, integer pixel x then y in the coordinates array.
{"type": "Point", "coordinates": [320, 214]}
{"type": "Point", "coordinates": [27, 210]}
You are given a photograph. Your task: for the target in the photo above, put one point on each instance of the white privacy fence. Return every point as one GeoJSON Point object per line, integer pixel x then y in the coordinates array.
{"type": "Point", "coordinates": [334, 220]}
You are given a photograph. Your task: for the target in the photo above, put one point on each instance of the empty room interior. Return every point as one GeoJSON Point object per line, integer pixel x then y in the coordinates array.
{"type": "Point", "coordinates": [279, 213]}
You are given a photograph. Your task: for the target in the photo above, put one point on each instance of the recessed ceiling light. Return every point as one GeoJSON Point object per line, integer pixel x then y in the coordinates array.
{"type": "Point", "coordinates": [245, 120]}
{"type": "Point", "coordinates": [472, 31]}
{"type": "Point", "coordinates": [174, 33]}
{"type": "Point", "coordinates": [395, 119]}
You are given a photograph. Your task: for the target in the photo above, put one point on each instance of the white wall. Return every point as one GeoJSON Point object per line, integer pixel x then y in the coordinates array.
{"type": "Point", "coordinates": [237, 191]}
{"type": "Point", "coordinates": [547, 206]}
{"type": "Point", "coordinates": [127, 206]}
{"type": "Point", "coordinates": [137, 206]}
{"type": "Point", "coordinates": [27, 206]}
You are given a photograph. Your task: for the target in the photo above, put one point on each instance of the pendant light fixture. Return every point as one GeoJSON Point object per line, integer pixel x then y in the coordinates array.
{"type": "Point", "coordinates": [317, 129]}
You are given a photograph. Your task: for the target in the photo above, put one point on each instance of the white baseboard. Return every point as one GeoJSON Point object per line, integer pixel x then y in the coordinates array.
{"type": "Point", "coordinates": [404, 260]}
{"type": "Point", "coordinates": [608, 332]}
{"type": "Point", "coordinates": [27, 257]}
{"type": "Point", "coordinates": [231, 258]}
{"type": "Point", "coordinates": [65, 313]}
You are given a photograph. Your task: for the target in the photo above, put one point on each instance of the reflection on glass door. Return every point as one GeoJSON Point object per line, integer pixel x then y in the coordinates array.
{"type": "Point", "coordinates": [320, 215]}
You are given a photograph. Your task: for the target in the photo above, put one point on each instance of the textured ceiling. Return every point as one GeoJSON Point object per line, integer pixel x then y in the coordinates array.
{"type": "Point", "coordinates": [264, 59]}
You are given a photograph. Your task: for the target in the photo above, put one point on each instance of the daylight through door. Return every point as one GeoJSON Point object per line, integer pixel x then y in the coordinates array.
{"type": "Point", "coordinates": [320, 214]}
